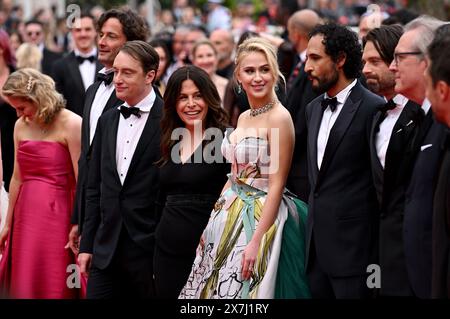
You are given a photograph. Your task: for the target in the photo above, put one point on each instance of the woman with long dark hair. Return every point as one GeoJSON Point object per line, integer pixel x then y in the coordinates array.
{"type": "Point", "coordinates": [192, 174]}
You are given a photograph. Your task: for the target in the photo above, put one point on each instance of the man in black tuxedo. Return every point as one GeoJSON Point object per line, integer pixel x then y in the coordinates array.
{"type": "Point", "coordinates": [34, 33]}
{"type": "Point", "coordinates": [299, 94]}
{"type": "Point", "coordinates": [392, 154]}
{"type": "Point", "coordinates": [438, 92]}
{"type": "Point", "coordinates": [118, 237]}
{"type": "Point", "coordinates": [75, 72]}
{"type": "Point", "coordinates": [409, 65]}
{"type": "Point", "coordinates": [114, 28]}
{"type": "Point", "coordinates": [342, 227]}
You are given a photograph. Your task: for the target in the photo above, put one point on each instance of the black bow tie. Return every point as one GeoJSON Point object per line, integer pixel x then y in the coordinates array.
{"type": "Point", "coordinates": [107, 78]}
{"type": "Point", "coordinates": [81, 59]}
{"type": "Point", "coordinates": [127, 111]}
{"type": "Point", "coordinates": [389, 105]}
{"type": "Point", "coordinates": [331, 102]}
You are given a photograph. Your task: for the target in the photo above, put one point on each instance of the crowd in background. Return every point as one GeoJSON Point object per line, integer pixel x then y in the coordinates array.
{"type": "Point", "coordinates": [368, 138]}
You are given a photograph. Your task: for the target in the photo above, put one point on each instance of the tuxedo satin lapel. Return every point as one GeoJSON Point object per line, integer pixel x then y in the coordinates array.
{"type": "Point", "coordinates": [98, 67]}
{"type": "Point", "coordinates": [376, 164]}
{"type": "Point", "coordinates": [74, 71]}
{"type": "Point", "coordinates": [90, 95]}
{"type": "Point", "coordinates": [151, 127]}
{"type": "Point", "coordinates": [113, 101]}
{"type": "Point", "coordinates": [316, 117]}
{"type": "Point", "coordinates": [112, 140]}
{"type": "Point", "coordinates": [340, 127]}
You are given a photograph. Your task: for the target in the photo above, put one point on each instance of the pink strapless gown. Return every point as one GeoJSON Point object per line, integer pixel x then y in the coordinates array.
{"type": "Point", "coordinates": [35, 261]}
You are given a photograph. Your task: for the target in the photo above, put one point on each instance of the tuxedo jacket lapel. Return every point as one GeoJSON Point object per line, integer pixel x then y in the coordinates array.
{"type": "Point", "coordinates": [150, 129]}
{"type": "Point", "coordinates": [373, 138]}
{"type": "Point", "coordinates": [90, 95]}
{"type": "Point", "coordinates": [316, 118]}
{"type": "Point", "coordinates": [75, 72]}
{"type": "Point", "coordinates": [112, 141]}
{"type": "Point", "coordinates": [340, 126]}
{"type": "Point", "coordinates": [113, 101]}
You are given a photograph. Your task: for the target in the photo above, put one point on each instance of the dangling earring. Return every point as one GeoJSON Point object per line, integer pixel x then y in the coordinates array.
{"type": "Point", "coordinates": [276, 87]}
{"type": "Point", "coordinates": [239, 88]}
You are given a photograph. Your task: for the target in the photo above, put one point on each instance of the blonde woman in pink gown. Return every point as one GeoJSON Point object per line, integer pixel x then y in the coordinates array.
{"type": "Point", "coordinates": [36, 263]}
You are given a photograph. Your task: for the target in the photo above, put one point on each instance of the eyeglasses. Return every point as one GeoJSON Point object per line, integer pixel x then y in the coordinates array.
{"type": "Point", "coordinates": [399, 56]}
{"type": "Point", "coordinates": [37, 33]}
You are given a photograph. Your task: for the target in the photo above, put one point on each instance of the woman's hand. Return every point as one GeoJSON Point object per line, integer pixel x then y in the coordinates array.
{"type": "Point", "coordinates": [249, 258]}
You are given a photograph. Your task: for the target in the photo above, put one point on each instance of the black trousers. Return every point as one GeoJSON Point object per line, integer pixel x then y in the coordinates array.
{"type": "Point", "coordinates": [128, 276]}
{"type": "Point", "coordinates": [324, 286]}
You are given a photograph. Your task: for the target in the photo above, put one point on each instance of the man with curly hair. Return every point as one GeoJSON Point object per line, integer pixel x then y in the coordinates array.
{"type": "Point", "coordinates": [343, 212]}
{"type": "Point", "coordinates": [114, 28]}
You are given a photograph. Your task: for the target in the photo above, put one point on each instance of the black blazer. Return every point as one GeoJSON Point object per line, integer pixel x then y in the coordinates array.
{"type": "Point", "coordinates": [67, 76]}
{"type": "Point", "coordinates": [440, 284]}
{"type": "Point", "coordinates": [391, 184]}
{"type": "Point", "coordinates": [48, 58]}
{"type": "Point", "coordinates": [343, 212]}
{"type": "Point", "coordinates": [111, 205]}
{"type": "Point", "coordinates": [417, 225]}
{"type": "Point", "coordinates": [86, 149]}
{"type": "Point", "coordinates": [300, 94]}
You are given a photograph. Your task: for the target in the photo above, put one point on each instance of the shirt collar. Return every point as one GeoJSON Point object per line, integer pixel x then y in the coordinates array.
{"type": "Point", "coordinates": [302, 56]}
{"type": "Point", "coordinates": [92, 52]}
{"type": "Point", "coordinates": [426, 105]}
{"type": "Point", "coordinates": [342, 95]}
{"type": "Point", "coordinates": [146, 103]}
{"type": "Point", "coordinates": [106, 71]}
{"type": "Point", "coordinates": [399, 100]}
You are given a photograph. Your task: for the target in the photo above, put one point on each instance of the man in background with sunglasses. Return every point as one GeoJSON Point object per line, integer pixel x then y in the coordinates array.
{"type": "Point", "coordinates": [34, 33]}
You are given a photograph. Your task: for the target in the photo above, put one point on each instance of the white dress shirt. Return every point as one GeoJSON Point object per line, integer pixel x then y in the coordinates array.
{"type": "Point", "coordinates": [87, 68]}
{"type": "Point", "coordinates": [383, 136]}
{"type": "Point", "coordinates": [129, 133]}
{"type": "Point", "coordinates": [101, 98]}
{"type": "Point", "coordinates": [328, 120]}
{"type": "Point", "coordinates": [426, 105]}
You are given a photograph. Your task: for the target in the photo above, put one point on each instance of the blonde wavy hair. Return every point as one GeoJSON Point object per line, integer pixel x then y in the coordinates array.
{"type": "Point", "coordinates": [28, 55]}
{"type": "Point", "coordinates": [39, 89]}
{"type": "Point", "coordinates": [261, 45]}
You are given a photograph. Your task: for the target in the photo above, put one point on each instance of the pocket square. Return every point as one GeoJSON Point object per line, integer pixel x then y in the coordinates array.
{"type": "Point", "coordinates": [424, 147]}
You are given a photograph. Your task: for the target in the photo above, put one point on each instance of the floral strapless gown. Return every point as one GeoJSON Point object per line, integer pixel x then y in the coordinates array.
{"type": "Point", "coordinates": [279, 270]}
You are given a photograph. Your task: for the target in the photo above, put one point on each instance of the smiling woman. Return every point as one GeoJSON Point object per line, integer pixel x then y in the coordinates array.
{"type": "Point", "coordinates": [205, 57]}
{"type": "Point", "coordinates": [253, 245]}
{"type": "Point", "coordinates": [190, 181]}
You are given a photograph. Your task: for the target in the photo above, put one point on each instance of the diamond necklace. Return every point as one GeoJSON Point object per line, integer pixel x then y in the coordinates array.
{"type": "Point", "coordinates": [262, 109]}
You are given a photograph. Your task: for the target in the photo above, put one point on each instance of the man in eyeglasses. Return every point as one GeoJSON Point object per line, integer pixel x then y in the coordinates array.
{"type": "Point", "coordinates": [409, 65]}
{"type": "Point", "coordinates": [75, 72]}
{"type": "Point", "coordinates": [393, 128]}
{"type": "Point", "coordinates": [34, 33]}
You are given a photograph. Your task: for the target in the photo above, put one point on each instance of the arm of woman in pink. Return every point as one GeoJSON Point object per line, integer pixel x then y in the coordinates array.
{"type": "Point", "coordinates": [73, 140]}
{"type": "Point", "coordinates": [13, 187]}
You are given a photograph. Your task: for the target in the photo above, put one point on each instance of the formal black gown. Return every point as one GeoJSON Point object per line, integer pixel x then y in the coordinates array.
{"type": "Point", "coordinates": [191, 190]}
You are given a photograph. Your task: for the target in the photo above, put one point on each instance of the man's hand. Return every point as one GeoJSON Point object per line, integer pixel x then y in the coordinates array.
{"type": "Point", "coordinates": [84, 261]}
{"type": "Point", "coordinates": [74, 240]}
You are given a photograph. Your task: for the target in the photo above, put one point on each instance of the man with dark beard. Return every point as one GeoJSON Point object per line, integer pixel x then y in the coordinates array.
{"type": "Point", "coordinates": [392, 155]}
{"type": "Point", "coordinates": [342, 229]}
